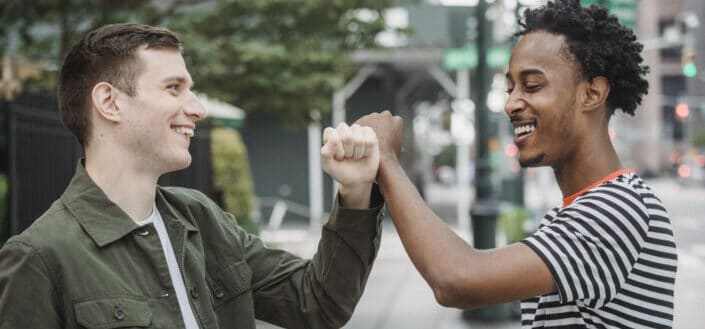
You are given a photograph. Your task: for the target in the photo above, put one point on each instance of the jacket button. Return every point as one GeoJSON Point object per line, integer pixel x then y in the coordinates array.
{"type": "Point", "coordinates": [194, 293]}
{"type": "Point", "coordinates": [219, 293]}
{"type": "Point", "coordinates": [119, 314]}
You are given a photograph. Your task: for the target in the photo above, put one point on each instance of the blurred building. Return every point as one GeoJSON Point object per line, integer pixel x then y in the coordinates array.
{"type": "Point", "coordinates": [672, 34]}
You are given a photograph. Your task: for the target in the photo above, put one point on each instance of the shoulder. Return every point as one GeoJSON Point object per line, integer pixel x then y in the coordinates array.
{"type": "Point", "coordinates": [53, 230]}
{"type": "Point", "coordinates": [622, 196]}
{"type": "Point", "coordinates": [40, 246]}
{"type": "Point", "coordinates": [615, 209]}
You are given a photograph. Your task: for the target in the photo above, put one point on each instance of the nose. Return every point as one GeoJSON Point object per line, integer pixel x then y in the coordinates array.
{"type": "Point", "coordinates": [514, 103]}
{"type": "Point", "coordinates": [194, 107]}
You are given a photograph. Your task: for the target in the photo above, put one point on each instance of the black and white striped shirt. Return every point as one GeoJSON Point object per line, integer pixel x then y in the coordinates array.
{"type": "Point", "coordinates": [613, 258]}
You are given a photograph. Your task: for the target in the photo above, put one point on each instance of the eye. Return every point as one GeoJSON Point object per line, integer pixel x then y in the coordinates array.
{"type": "Point", "coordinates": [173, 86]}
{"type": "Point", "coordinates": [532, 87]}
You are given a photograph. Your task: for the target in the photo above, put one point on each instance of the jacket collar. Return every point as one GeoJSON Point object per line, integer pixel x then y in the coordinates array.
{"type": "Point", "coordinates": [103, 220]}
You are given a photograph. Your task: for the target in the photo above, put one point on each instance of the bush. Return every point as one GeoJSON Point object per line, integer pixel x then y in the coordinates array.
{"type": "Point", "coordinates": [699, 138]}
{"type": "Point", "coordinates": [232, 178]}
{"type": "Point", "coordinates": [512, 220]}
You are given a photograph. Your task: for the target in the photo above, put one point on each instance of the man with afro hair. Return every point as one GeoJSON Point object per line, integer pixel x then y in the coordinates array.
{"type": "Point", "coordinates": [606, 257]}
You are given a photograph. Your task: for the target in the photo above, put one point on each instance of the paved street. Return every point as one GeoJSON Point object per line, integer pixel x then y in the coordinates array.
{"type": "Point", "coordinates": [687, 208]}
{"type": "Point", "coordinates": [397, 297]}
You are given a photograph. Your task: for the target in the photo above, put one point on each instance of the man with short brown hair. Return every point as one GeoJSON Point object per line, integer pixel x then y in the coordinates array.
{"type": "Point", "coordinates": [116, 250]}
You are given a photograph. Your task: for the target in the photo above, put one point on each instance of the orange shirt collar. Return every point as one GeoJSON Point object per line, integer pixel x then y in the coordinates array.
{"type": "Point", "coordinates": [568, 200]}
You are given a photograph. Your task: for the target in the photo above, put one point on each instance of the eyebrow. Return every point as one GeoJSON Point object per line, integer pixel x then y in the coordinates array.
{"type": "Point", "coordinates": [178, 79]}
{"type": "Point", "coordinates": [523, 74]}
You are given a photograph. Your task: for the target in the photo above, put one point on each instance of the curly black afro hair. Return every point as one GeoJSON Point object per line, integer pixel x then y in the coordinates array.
{"type": "Point", "coordinates": [600, 45]}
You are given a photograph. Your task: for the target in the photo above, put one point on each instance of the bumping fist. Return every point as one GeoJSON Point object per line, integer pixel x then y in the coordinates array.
{"type": "Point", "coordinates": [389, 130]}
{"type": "Point", "coordinates": [350, 154]}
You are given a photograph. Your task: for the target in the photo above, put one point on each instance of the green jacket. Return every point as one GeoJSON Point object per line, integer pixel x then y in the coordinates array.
{"type": "Point", "coordinates": [85, 264]}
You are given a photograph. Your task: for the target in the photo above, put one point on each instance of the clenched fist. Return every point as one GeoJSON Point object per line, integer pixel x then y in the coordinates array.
{"type": "Point", "coordinates": [350, 155]}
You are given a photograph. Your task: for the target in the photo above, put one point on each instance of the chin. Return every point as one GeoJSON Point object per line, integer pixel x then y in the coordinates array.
{"type": "Point", "coordinates": [531, 161]}
{"type": "Point", "coordinates": [180, 163]}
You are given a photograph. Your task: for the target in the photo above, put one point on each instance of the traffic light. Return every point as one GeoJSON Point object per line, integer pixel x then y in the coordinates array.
{"type": "Point", "coordinates": [688, 62]}
{"type": "Point", "coordinates": [682, 111]}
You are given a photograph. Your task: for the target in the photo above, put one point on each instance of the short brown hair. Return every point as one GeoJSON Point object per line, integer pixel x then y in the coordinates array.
{"type": "Point", "coordinates": [107, 54]}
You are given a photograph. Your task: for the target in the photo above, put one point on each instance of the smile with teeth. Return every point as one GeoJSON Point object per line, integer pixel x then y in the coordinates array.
{"type": "Point", "coordinates": [183, 130]}
{"type": "Point", "coordinates": [525, 129]}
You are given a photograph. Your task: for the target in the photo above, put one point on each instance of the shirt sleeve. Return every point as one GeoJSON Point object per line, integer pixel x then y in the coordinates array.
{"type": "Point", "coordinates": [28, 298]}
{"type": "Point", "coordinates": [591, 246]}
{"type": "Point", "coordinates": [321, 292]}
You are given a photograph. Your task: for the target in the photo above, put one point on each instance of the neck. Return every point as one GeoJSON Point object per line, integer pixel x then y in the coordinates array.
{"type": "Point", "coordinates": [593, 159]}
{"type": "Point", "coordinates": [126, 183]}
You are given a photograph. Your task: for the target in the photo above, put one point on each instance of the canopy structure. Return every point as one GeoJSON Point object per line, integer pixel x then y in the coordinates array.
{"type": "Point", "coordinates": [224, 113]}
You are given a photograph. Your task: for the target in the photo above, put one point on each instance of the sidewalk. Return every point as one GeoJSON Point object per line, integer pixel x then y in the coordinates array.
{"type": "Point", "coordinates": [396, 295]}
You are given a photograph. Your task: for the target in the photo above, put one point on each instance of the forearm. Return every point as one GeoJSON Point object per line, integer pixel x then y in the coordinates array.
{"type": "Point", "coordinates": [324, 291]}
{"type": "Point", "coordinates": [437, 252]}
{"type": "Point", "coordinates": [349, 244]}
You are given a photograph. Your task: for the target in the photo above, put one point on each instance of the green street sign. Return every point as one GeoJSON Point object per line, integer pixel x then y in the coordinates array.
{"type": "Point", "coordinates": [466, 57]}
{"type": "Point", "coordinates": [498, 56]}
{"type": "Point", "coordinates": [625, 10]}
{"type": "Point", "coordinates": [460, 58]}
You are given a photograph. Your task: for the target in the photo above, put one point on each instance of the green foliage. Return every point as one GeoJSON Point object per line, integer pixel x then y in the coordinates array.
{"type": "Point", "coordinates": [47, 28]}
{"type": "Point", "coordinates": [699, 138]}
{"type": "Point", "coordinates": [446, 157]}
{"type": "Point", "coordinates": [512, 220]}
{"type": "Point", "coordinates": [231, 175]}
{"type": "Point", "coordinates": [280, 56]}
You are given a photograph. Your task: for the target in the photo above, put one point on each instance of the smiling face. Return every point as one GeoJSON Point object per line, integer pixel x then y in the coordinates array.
{"type": "Point", "coordinates": [161, 117]}
{"type": "Point", "coordinates": [542, 85]}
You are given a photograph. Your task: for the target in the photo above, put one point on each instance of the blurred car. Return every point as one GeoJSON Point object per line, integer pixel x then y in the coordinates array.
{"type": "Point", "coordinates": [691, 169]}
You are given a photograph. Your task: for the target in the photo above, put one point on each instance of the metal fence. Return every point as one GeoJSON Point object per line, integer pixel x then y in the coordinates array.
{"type": "Point", "coordinates": [42, 157]}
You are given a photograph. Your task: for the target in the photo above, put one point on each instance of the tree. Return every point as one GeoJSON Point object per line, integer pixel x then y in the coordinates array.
{"type": "Point", "coordinates": [279, 56]}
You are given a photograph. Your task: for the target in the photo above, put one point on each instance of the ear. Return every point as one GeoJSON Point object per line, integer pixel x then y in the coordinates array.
{"type": "Point", "coordinates": [104, 100]}
{"type": "Point", "coordinates": [596, 93]}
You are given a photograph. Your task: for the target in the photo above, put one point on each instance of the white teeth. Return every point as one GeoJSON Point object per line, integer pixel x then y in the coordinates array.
{"type": "Point", "coordinates": [183, 130]}
{"type": "Point", "coordinates": [524, 129]}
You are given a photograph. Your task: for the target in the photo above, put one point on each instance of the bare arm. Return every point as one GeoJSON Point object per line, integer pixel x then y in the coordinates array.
{"type": "Point", "coordinates": [459, 275]}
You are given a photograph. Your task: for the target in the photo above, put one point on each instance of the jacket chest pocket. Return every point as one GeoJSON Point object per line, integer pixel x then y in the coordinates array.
{"type": "Point", "coordinates": [229, 282]}
{"type": "Point", "coordinates": [113, 312]}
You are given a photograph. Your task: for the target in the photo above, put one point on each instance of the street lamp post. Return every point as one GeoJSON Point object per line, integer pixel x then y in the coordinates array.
{"type": "Point", "coordinates": [484, 210]}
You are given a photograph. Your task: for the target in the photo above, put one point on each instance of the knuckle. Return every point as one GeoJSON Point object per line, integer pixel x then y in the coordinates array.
{"type": "Point", "coordinates": [348, 139]}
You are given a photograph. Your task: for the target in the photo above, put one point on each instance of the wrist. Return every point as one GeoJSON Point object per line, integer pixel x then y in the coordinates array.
{"type": "Point", "coordinates": [356, 195]}
{"type": "Point", "coordinates": [389, 167]}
